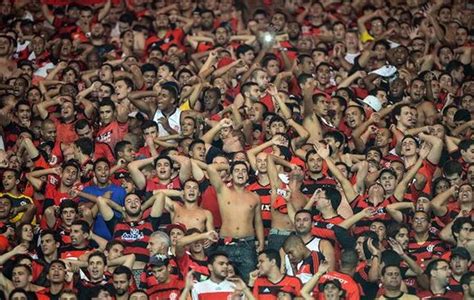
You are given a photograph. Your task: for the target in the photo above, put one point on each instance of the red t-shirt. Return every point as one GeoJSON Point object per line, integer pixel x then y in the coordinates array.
{"type": "Point", "coordinates": [112, 133]}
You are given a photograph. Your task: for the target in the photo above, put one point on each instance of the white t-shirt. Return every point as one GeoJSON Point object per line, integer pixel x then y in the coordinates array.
{"type": "Point", "coordinates": [210, 290]}
{"type": "Point", "coordinates": [174, 120]}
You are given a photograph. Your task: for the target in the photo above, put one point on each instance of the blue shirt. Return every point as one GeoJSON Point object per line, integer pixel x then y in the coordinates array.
{"type": "Point", "coordinates": [118, 196]}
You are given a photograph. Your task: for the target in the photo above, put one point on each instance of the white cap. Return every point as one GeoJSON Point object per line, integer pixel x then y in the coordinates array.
{"type": "Point", "coordinates": [385, 71]}
{"type": "Point", "coordinates": [373, 102]}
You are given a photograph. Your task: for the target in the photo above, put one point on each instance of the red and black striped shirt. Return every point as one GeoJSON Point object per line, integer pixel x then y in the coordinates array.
{"type": "Point", "coordinates": [134, 235]}
{"type": "Point", "coordinates": [263, 192]}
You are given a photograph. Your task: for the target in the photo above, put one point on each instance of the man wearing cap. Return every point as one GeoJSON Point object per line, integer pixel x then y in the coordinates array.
{"type": "Point", "coordinates": [460, 263]}
{"type": "Point", "coordinates": [241, 218]}
{"type": "Point", "coordinates": [162, 285]}
{"type": "Point", "coordinates": [175, 231]}
{"type": "Point", "coordinates": [438, 272]}
{"type": "Point", "coordinates": [267, 280]}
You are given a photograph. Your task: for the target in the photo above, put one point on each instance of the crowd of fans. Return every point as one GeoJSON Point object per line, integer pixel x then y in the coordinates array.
{"type": "Point", "coordinates": [226, 149]}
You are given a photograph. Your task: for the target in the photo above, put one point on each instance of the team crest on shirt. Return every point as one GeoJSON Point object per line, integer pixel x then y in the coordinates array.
{"type": "Point", "coordinates": [430, 248]}
{"type": "Point", "coordinates": [105, 137]}
{"type": "Point", "coordinates": [173, 296]}
{"type": "Point", "coordinates": [133, 235]}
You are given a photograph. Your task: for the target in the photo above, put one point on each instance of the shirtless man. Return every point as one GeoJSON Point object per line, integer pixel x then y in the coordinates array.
{"type": "Point", "coordinates": [426, 109]}
{"type": "Point", "coordinates": [281, 226]}
{"type": "Point", "coordinates": [189, 214]}
{"type": "Point", "coordinates": [241, 218]}
{"type": "Point", "coordinates": [7, 64]}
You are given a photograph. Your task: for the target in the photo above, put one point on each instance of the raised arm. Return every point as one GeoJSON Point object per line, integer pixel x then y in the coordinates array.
{"type": "Point", "coordinates": [347, 187]}
{"type": "Point", "coordinates": [137, 175]}
{"type": "Point", "coordinates": [395, 210]}
{"type": "Point", "coordinates": [215, 178]}
{"type": "Point", "coordinates": [105, 10]}
{"type": "Point", "coordinates": [436, 147]}
{"type": "Point", "coordinates": [311, 122]}
{"type": "Point", "coordinates": [402, 186]}
{"type": "Point", "coordinates": [439, 203]}
{"type": "Point", "coordinates": [105, 210]}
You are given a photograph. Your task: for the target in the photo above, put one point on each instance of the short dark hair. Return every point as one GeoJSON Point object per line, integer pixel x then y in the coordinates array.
{"type": "Point", "coordinates": [86, 145]}
{"type": "Point", "coordinates": [194, 143]}
{"type": "Point", "coordinates": [72, 163]}
{"type": "Point", "coordinates": [212, 258]}
{"type": "Point", "coordinates": [236, 163]}
{"type": "Point", "coordinates": [123, 270]}
{"type": "Point", "coordinates": [107, 102]}
{"type": "Point", "coordinates": [149, 123]}
{"type": "Point", "coordinates": [433, 265]}
{"type": "Point", "coordinates": [467, 277]}
{"type": "Point", "coordinates": [458, 223]}
{"type": "Point", "coordinates": [68, 203]}
{"type": "Point", "coordinates": [120, 146]}
{"type": "Point", "coordinates": [384, 269]}
{"type": "Point", "coordinates": [99, 160]}
{"type": "Point", "coordinates": [333, 195]}
{"type": "Point", "coordinates": [273, 255]}
{"type": "Point", "coordinates": [81, 124]}
{"type": "Point", "coordinates": [84, 225]}
{"type": "Point", "coordinates": [56, 236]}
{"type": "Point", "coordinates": [98, 254]}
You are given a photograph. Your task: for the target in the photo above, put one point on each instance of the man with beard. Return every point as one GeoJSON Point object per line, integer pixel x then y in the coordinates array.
{"type": "Point", "coordinates": [103, 185]}
{"type": "Point", "coordinates": [217, 286]}
{"type": "Point", "coordinates": [122, 278]}
{"type": "Point", "coordinates": [98, 40]}
{"type": "Point", "coordinates": [189, 214]}
{"type": "Point", "coordinates": [438, 272]}
{"type": "Point", "coordinates": [426, 109]}
{"type": "Point", "coordinates": [260, 77]}
{"type": "Point", "coordinates": [134, 230]}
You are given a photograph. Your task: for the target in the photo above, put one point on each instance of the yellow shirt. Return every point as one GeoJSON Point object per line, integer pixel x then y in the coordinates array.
{"type": "Point", "coordinates": [18, 201]}
{"type": "Point", "coordinates": [365, 37]}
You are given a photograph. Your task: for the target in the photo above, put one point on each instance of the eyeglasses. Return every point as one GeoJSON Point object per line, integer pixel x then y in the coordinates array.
{"type": "Point", "coordinates": [420, 220]}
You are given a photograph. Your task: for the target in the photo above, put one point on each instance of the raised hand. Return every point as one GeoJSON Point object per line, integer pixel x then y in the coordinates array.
{"type": "Point", "coordinates": [322, 150]}
{"type": "Point", "coordinates": [396, 246]}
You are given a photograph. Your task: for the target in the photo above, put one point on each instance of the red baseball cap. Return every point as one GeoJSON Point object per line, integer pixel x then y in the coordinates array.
{"type": "Point", "coordinates": [180, 226]}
